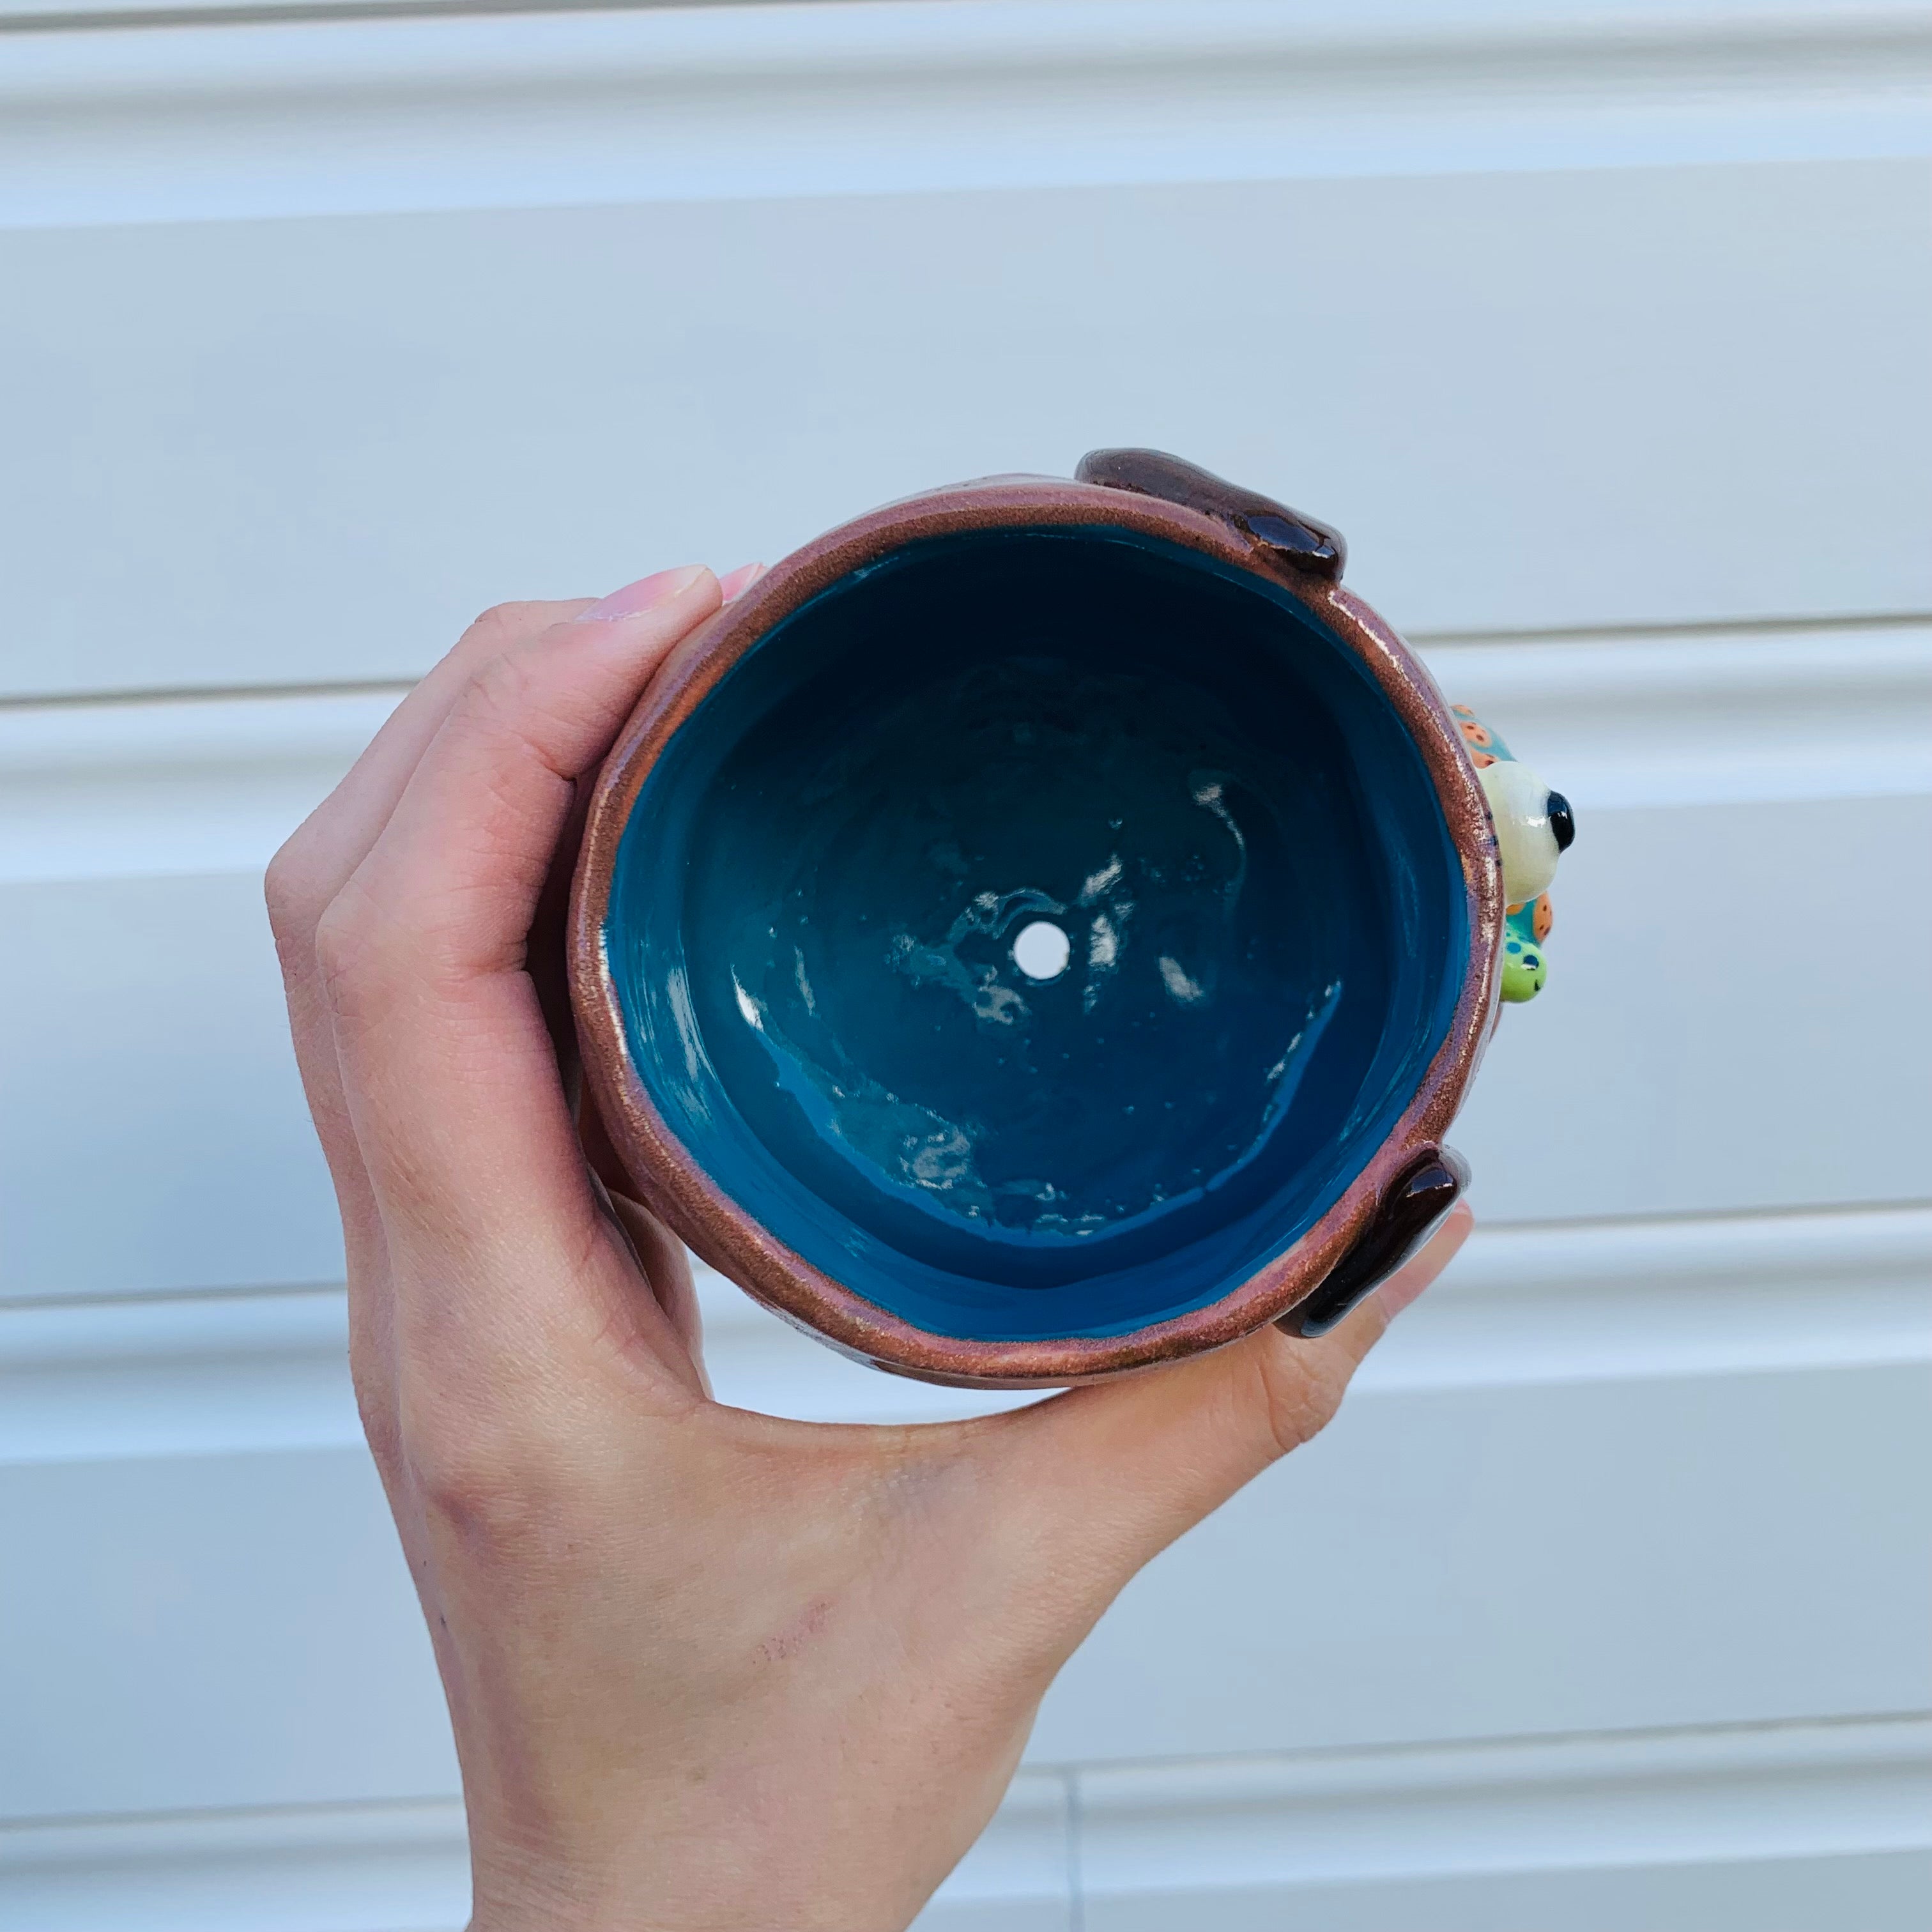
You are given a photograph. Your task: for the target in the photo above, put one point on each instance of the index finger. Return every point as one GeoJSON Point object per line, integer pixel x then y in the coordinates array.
{"type": "Point", "coordinates": [451, 1082]}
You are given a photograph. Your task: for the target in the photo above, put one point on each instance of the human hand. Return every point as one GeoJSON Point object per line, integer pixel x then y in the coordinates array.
{"type": "Point", "coordinates": [706, 1669]}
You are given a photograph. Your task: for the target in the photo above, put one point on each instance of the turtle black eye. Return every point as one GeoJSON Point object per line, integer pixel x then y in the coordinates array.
{"type": "Point", "coordinates": [1561, 821]}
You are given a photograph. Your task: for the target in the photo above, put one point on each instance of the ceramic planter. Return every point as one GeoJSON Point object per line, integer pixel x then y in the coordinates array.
{"type": "Point", "coordinates": [1048, 928]}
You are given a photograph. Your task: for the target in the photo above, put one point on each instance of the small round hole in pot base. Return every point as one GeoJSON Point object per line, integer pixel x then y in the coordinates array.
{"type": "Point", "coordinates": [1046, 927]}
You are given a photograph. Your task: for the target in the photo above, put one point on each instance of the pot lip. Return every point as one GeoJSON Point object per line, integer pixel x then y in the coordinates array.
{"type": "Point", "coordinates": [675, 1187]}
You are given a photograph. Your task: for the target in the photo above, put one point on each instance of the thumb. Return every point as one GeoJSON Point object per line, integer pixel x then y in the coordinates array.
{"type": "Point", "coordinates": [1137, 1462]}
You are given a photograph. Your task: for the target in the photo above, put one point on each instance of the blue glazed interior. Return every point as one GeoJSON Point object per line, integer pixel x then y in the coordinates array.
{"type": "Point", "coordinates": [814, 902]}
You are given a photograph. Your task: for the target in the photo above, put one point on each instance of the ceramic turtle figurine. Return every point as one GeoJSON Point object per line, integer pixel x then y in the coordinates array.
{"type": "Point", "coordinates": [1534, 827]}
{"type": "Point", "coordinates": [833, 1012]}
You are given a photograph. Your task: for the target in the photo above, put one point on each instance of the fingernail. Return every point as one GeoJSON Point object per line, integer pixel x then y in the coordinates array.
{"type": "Point", "coordinates": [646, 594]}
{"type": "Point", "coordinates": [736, 582]}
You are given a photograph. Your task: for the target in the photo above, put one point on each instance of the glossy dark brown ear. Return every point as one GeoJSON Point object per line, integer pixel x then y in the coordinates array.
{"type": "Point", "coordinates": [1409, 1214]}
{"type": "Point", "coordinates": [1300, 542]}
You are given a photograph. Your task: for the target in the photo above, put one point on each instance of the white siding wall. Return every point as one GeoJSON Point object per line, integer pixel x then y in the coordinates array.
{"type": "Point", "coordinates": [1603, 332]}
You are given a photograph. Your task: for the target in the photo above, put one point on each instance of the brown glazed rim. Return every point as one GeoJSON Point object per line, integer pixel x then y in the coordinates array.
{"type": "Point", "coordinates": [679, 1191]}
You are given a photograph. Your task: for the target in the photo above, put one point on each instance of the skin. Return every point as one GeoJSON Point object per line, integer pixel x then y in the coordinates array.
{"type": "Point", "coordinates": [706, 1669]}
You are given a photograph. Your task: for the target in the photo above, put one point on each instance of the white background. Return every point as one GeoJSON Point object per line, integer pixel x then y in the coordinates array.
{"type": "Point", "coordinates": [1603, 332]}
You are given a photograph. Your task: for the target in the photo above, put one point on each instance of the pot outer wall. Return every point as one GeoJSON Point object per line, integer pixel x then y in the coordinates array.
{"type": "Point", "coordinates": [672, 1184]}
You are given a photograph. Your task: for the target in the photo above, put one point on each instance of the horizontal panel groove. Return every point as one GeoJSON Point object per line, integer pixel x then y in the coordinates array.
{"type": "Point", "coordinates": [1766, 626]}
{"type": "Point", "coordinates": [1678, 1797]}
{"type": "Point", "coordinates": [1035, 1794]}
{"type": "Point", "coordinates": [960, 38]}
{"type": "Point", "coordinates": [894, 96]}
{"type": "Point", "coordinates": [24, 16]}
{"type": "Point", "coordinates": [1780, 1791]}
{"type": "Point", "coordinates": [1503, 1259]}
{"type": "Point", "coordinates": [1901, 1737]}
{"type": "Point", "coordinates": [1894, 1237]}
{"type": "Point", "coordinates": [175, 785]}
{"type": "Point", "coordinates": [1674, 635]}
{"type": "Point", "coordinates": [1376, 19]}
{"type": "Point", "coordinates": [360, 1824]}
{"type": "Point", "coordinates": [398, 1864]}
{"type": "Point", "coordinates": [1525, 1305]}
{"type": "Point", "coordinates": [1699, 719]}
{"type": "Point", "coordinates": [393, 689]}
